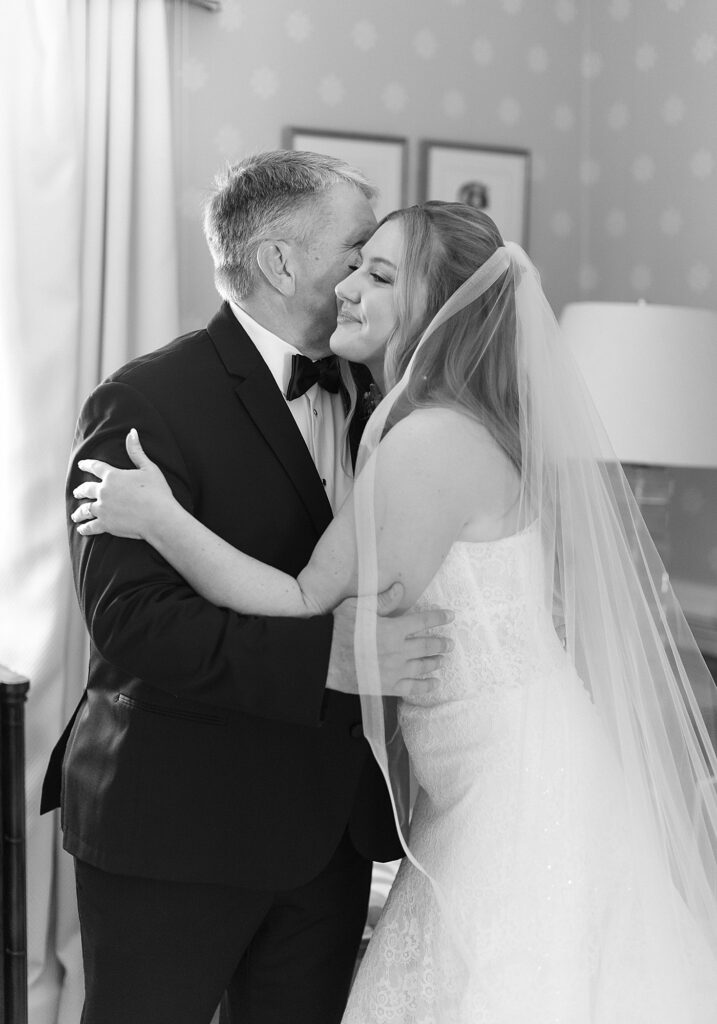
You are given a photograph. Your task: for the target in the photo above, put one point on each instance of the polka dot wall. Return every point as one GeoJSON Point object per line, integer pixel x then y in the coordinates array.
{"type": "Point", "coordinates": [498, 73]}
{"type": "Point", "coordinates": [616, 100]}
{"type": "Point", "coordinates": [652, 150]}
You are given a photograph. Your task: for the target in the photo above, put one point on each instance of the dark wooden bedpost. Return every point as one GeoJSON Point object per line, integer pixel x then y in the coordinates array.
{"type": "Point", "coordinates": [13, 883]}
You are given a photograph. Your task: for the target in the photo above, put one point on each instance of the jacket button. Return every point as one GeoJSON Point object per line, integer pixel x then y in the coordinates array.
{"type": "Point", "coordinates": [356, 731]}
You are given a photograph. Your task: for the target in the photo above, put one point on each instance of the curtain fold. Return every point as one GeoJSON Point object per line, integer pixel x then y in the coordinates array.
{"type": "Point", "coordinates": [87, 280]}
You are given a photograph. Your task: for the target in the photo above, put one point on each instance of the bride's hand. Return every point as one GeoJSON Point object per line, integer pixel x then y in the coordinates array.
{"type": "Point", "coordinates": [123, 502]}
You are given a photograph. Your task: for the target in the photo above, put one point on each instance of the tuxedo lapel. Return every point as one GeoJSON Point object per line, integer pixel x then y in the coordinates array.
{"type": "Point", "coordinates": [266, 406]}
{"type": "Point", "coordinates": [256, 389]}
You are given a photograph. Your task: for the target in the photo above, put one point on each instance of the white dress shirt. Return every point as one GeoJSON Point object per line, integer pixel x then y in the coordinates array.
{"type": "Point", "coordinates": [318, 414]}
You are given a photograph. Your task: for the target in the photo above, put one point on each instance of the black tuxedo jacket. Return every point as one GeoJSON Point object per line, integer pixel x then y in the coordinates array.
{"type": "Point", "coordinates": [206, 746]}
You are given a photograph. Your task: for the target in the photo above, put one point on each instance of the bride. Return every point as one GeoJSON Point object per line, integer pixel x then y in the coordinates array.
{"type": "Point", "coordinates": [560, 827]}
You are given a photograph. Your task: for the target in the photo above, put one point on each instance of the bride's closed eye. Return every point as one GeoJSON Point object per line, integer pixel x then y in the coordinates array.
{"type": "Point", "coordinates": [378, 278]}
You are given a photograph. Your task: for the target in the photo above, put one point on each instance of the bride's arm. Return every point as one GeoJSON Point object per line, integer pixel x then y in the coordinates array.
{"type": "Point", "coordinates": [225, 575]}
{"type": "Point", "coordinates": [138, 504]}
{"type": "Point", "coordinates": [423, 498]}
{"type": "Point", "coordinates": [427, 485]}
{"type": "Point", "coordinates": [432, 474]}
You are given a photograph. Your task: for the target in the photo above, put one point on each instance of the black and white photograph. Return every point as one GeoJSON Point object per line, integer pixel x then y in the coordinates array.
{"type": "Point", "coordinates": [490, 179]}
{"type": "Point", "coordinates": [383, 158]}
{"type": "Point", "coordinates": [358, 532]}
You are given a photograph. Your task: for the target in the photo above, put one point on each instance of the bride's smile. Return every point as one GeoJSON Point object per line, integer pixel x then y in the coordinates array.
{"type": "Point", "coordinates": [367, 312]}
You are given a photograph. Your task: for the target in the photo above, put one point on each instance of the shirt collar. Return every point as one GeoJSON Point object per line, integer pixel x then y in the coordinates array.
{"type": "Point", "coordinates": [275, 352]}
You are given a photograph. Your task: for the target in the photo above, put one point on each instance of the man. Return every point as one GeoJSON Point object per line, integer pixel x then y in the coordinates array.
{"type": "Point", "coordinates": [218, 795]}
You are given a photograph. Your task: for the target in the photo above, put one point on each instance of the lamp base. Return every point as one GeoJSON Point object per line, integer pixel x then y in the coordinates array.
{"type": "Point", "coordinates": [654, 487]}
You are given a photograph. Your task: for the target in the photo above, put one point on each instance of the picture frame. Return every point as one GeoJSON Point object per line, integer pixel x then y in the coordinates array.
{"type": "Point", "coordinates": [382, 158]}
{"type": "Point", "coordinates": [492, 179]}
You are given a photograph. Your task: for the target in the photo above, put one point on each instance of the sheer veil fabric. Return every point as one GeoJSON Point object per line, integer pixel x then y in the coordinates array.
{"type": "Point", "coordinates": [605, 594]}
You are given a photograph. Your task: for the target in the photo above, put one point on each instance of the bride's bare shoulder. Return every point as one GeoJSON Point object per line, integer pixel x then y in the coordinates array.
{"type": "Point", "coordinates": [442, 432]}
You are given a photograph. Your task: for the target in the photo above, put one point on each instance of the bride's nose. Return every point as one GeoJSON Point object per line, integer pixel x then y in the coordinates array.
{"type": "Point", "coordinates": [347, 290]}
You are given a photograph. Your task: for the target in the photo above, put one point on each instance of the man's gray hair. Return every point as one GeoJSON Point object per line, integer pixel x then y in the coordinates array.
{"type": "Point", "coordinates": [267, 196]}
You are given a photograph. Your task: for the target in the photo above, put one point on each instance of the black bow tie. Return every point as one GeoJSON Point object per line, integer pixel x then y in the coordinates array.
{"type": "Point", "coordinates": [305, 373]}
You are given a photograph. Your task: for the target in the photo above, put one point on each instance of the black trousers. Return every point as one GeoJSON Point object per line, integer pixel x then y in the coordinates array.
{"type": "Point", "coordinates": [158, 952]}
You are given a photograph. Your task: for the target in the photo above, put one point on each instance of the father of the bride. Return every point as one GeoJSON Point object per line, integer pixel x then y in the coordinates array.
{"type": "Point", "coordinates": [218, 796]}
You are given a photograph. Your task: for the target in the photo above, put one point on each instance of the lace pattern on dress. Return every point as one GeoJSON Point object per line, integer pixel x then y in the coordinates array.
{"type": "Point", "coordinates": [521, 822]}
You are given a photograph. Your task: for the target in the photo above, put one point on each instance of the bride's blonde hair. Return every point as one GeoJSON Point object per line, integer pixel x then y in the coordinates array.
{"type": "Point", "coordinates": [470, 361]}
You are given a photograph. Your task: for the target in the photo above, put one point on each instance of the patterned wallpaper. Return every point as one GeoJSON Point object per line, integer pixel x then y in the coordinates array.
{"type": "Point", "coordinates": [649, 175]}
{"type": "Point", "coordinates": [615, 99]}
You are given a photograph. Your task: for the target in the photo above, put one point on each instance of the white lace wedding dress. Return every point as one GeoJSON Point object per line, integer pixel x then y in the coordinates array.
{"type": "Point", "coordinates": [522, 822]}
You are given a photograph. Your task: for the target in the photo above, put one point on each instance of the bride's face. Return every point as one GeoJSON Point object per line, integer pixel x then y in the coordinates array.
{"type": "Point", "coordinates": [367, 313]}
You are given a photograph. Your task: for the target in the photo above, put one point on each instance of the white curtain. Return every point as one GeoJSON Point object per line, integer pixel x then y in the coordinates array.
{"type": "Point", "coordinates": [87, 280]}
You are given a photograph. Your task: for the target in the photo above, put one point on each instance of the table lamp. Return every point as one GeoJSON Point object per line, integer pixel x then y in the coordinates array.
{"type": "Point", "coordinates": [652, 373]}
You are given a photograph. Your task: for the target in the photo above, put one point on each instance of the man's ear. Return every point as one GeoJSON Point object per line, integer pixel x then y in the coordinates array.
{"type": "Point", "coordinates": [274, 257]}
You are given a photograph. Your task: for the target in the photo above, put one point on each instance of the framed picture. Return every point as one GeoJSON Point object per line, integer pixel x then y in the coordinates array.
{"type": "Point", "coordinates": [382, 158]}
{"type": "Point", "coordinates": [494, 180]}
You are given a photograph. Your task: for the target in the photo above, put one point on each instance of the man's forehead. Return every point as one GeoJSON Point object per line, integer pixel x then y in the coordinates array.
{"type": "Point", "coordinates": [348, 221]}
{"type": "Point", "coordinates": [361, 228]}
{"type": "Point", "coordinates": [349, 204]}
{"type": "Point", "coordinates": [360, 235]}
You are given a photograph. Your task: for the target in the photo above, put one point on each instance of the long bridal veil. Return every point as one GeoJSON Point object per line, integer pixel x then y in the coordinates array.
{"type": "Point", "coordinates": [604, 587]}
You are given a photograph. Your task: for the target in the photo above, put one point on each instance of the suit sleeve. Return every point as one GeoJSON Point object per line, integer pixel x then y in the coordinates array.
{"type": "Point", "coordinates": [148, 622]}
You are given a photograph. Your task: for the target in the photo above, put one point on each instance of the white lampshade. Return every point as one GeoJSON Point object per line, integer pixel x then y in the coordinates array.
{"type": "Point", "coordinates": [652, 372]}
